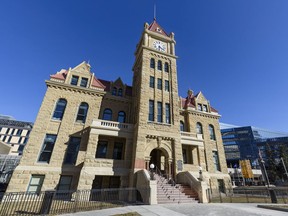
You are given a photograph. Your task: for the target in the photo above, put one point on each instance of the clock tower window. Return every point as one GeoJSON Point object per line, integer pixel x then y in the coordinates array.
{"type": "Point", "coordinates": [166, 67]}
{"type": "Point", "coordinates": [152, 63]}
{"type": "Point", "coordinates": [159, 65]}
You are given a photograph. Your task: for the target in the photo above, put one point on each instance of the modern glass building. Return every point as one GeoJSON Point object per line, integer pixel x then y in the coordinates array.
{"type": "Point", "coordinates": [243, 143]}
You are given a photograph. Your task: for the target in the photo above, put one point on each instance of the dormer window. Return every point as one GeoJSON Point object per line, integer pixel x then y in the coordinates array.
{"type": "Point", "coordinates": [120, 92]}
{"type": "Point", "coordinates": [205, 108]}
{"type": "Point", "coordinates": [199, 107]}
{"type": "Point", "coordinates": [74, 80]}
{"type": "Point", "coordinates": [158, 29]}
{"type": "Point", "coordinates": [114, 91]}
{"type": "Point", "coordinates": [84, 82]}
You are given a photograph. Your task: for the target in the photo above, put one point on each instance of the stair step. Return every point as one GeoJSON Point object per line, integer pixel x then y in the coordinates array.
{"type": "Point", "coordinates": [178, 193]}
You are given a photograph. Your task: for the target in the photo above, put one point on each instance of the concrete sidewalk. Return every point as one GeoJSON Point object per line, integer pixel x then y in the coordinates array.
{"type": "Point", "coordinates": [212, 209]}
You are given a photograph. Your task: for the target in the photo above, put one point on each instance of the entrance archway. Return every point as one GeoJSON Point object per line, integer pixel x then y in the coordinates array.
{"type": "Point", "coordinates": [160, 159]}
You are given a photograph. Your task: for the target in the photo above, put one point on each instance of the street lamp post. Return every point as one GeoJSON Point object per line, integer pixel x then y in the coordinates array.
{"type": "Point", "coordinates": [152, 166]}
{"type": "Point", "coordinates": [200, 173]}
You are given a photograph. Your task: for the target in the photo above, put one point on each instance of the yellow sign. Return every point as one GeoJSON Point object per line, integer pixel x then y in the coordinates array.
{"type": "Point", "coordinates": [246, 169]}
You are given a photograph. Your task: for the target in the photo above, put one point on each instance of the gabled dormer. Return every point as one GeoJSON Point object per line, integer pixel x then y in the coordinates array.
{"type": "Point", "coordinates": [196, 102]}
{"type": "Point", "coordinates": [79, 76]}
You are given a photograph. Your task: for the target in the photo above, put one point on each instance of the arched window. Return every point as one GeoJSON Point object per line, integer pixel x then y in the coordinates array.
{"type": "Point", "coordinates": [159, 65]}
{"type": "Point", "coordinates": [59, 109]}
{"type": "Point", "coordinates": [107, 115]}
{"type": "Point", "coordinates": [152, 63]}
{"type": "Point", "coordinates": [114, 91]}
{"type": "Point", "coordinates": [120, 92]}
{"type": "Point", "coordinates": [182, 126]}
{"type": "Point", "coordinates": [166, 67]}
{"type": "Point", "coordinates": [121, 117]}
{"type": "Point", "coordinates": [199, 128]}
{"type": "Point", "coordinates": [82, 112]}
{"type": "Point", "coordinates": [212, 132]}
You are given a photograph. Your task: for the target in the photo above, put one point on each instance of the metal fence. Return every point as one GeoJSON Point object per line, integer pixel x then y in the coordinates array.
{"type": "Point", "coordinates": [59, 202]}
{"type": "Point", "coordinates": [251, 195]}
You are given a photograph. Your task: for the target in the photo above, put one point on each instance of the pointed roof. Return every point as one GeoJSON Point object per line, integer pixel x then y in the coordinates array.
{"type": "Point", "coordinates": [61, 75]}
{"type": "Point", "coordinates": [155, 27]}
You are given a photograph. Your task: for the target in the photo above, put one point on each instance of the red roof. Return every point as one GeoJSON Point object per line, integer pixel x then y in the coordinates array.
{"type": "Point", "coordinates": [155, 27]}
{"type": "Point", "coordinates": [190, 102]}
{"type": "Point", "coordinates": [97, 83]}
{"type": "Point", "coordinates": [61, 75]}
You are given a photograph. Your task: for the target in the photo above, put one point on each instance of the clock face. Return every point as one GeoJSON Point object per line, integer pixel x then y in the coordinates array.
{"type": "Point", "coordinates": [158, 45]}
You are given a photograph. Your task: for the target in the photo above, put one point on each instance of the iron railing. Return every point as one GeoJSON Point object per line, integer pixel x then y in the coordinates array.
{"type": "Point", "coordinates": [60, 202]}
{"type": "Point", "coordinates": [251, 195]}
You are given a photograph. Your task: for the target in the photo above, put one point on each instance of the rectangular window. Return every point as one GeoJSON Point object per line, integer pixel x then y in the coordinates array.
{"type": "Point", "coordinates": [159, 83]}
{"type": "Point", "coordinates": [184, 155]}
{"type": "Point", "coordinates": [199, 107]}
{"type": "Point", "coordinates": [19, 132]}
{"type": "Point", "coordinates": [20, 148]}
{"type": "Point", "coordinates": [74, 80]}
{"type": "Point", "coordinates": [101, 149]}
{"type": "Point", "coordinates": [7, 131]}
{"type": "Point", "coordinates": [151, 110]}
{"type": "Point", "coordinates": [4, 138]}
{"type": "Point", "coordinates": [167, 88]}
{"type": "Point", "coordinates": [167, 113]}
{"type": "Point", "coordinates": [47, 148]}
{"type": "Point", "coordinates": [72, 150]}
{"type": "Point", "coordinates": [9, 139]}
{"type": "Point", "coordinates": [159, 112]}
{"type": "Point", "coordinates": [205, 108]}
{"type": "Point", "coordinates": [13, 131]}
{"type": "Point", "coordinates": [216, 161]}
{"type": "Point", "coordinates": [84, 82]}
{"type": "Point", "coordinates": [25, 140]}
{"type": "Point", "coordinates": [152, 82]}
{"type": "Point", "coordinates": [35, 184]}
{"type": "Point", "coordinates": [64, 183]}
{"type": "Point", "coordinates": [117, 151]}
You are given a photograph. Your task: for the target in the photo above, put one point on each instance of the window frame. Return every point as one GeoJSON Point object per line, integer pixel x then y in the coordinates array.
{"type": "Point", "coordinates": [152, 82]}
{"type": "Point", "coordinates": [107, 112]}
{"type": "Point", "coordinates": [152, 63]}
{"type": "Point", "coordinates": [44, 149]}
{"type": "Point", "coordinates": [38, 185]}
{"type": "Point", "coordinates": [159, 65]}
{"type": "Point", "coordinates": [166, 67]}
{"type": "Point", "coordinates": [82, 117]}
{"type": "Point", "coordinates": [72, 150]}
{"type": "Point", "coordinates": [159, 83]}
{"type": "Point", "coordinates": [212, 132]}
{"type": "Point", "coordinates": [159, 112]}
{"type": "Point", "coordinates": [199, 128]}
{"type": "Point", "coordinates": [74, 80]}
{"type": "Point", "coordinates": [121, 114]}
{"type": "Point", "coordinates": [167, 113]}
{"type": "Point", "coordinates": [167, 85]}
{"type": "Point", "coordinates": [85, 80]}
{"type": "Point", "coordinates": [151, 110]}
{"type": "Point", "coordinates": [116, 149]}
{"type": "Point", "coordinates": [101, 152]}
{"type": "Point", "coordinates": [59, 109]}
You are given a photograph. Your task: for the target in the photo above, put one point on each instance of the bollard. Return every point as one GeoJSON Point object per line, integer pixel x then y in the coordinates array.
{"type": "Point", "coordinates": [47, 202]}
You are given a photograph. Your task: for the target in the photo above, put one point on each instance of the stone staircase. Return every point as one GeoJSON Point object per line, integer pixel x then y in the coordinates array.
{"type": "Point", "coordinates": [174, 193]}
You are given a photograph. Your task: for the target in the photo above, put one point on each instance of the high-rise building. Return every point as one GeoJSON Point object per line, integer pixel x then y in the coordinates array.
{"type": "Point", "coordinates": [244, 143]}
{"type": "Point", "coordinates": [92, 133]}
{"type": "Point", "coordinates": [14, 133]}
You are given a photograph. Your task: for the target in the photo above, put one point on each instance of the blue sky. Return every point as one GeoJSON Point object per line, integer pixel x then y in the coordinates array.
{"type": "Point", "coordinates": [235, 52]}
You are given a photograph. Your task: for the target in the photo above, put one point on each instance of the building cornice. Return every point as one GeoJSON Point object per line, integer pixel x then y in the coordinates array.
{"type": "Point", "coordinates": [98, 92]}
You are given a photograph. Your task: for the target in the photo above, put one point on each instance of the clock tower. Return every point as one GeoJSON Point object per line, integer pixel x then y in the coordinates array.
{"type": "Point", "coordinates": [156, 103]}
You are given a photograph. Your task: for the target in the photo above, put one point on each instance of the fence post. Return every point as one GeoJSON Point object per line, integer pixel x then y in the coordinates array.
{"type": "Point", "coordinates": [47, 202]}
{"type": "Point", "coordinates": [76, 200]}
{"type": "Point", "coordinates": [272, 195]}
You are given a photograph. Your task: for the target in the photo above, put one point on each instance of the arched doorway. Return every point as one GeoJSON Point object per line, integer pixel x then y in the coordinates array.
{"type": "Point", "coordinates": [160, 159]}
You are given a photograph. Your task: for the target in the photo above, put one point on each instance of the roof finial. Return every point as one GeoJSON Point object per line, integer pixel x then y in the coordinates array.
{"type": "Point", "coordinates": [154, 11]}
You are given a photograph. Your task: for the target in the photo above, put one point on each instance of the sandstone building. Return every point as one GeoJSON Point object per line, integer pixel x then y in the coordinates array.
{"type": "Point", "coordinates": [92, 133]}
